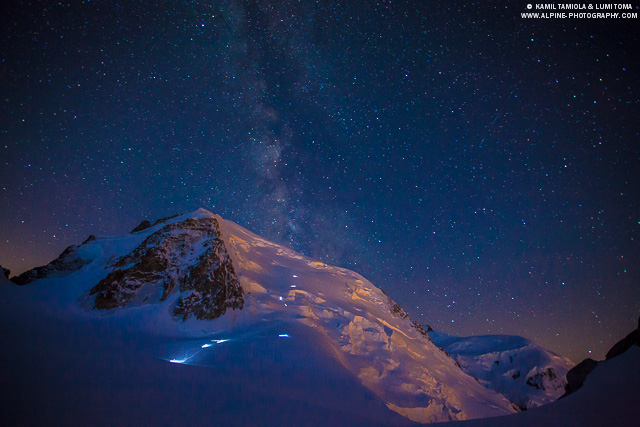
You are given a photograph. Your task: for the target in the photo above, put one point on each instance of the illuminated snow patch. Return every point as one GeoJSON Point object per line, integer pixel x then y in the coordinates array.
{"type": "Point", "coordinates": [187, 359]}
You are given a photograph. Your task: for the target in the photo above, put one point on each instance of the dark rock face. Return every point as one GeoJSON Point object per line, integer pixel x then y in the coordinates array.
{"type": "Point", "coordinates": [142, 226]}
{"type": "Point", "coordinates": [538, 380]}
{"type": "Point", "coordinates": [418, 326]}
{"type": "Point", "coordinates": [188, 256]}
{"type": "Point", "coordinates": [211, 287]}
{"type": "Point", "coordinates": [396, 310]}
{"type": "Point", "coordinates": [625, 344]}
{"type": "Point", "coordinates": [147, 224]}
{"type": "Point", "coordinates": [5, 271]}
{"type": "Point", "coordinates": [577, 375]}
{"type": "Point", "coordinates": [66, 263]}
{"type": "Point", "coordinates": [165, 219]}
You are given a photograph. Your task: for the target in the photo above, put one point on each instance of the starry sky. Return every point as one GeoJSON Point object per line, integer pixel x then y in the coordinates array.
{"type": "Point", "coordinates": [481, 168]}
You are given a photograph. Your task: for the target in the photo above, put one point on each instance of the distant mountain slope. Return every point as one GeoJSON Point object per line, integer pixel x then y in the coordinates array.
{"type": "Point", "coordinates": [608, 397]}
{"type": "Point", "coordinates": [527, 374]}
{"type": "Point", "coordinates": [209, 282]}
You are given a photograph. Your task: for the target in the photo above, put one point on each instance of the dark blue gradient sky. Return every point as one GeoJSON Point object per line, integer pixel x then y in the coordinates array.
{"type": "Point", "coordinates": [481, 168]}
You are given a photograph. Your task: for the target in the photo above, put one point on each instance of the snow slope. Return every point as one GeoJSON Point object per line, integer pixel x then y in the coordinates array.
{"type": "Point", "coordinates": [526, 373]}
{"type": "Point", "coordinates": [300, 320]}
{"type": "Point", "coordinates": [365, 331]}
{"type": "Point", "coordinates": [96, 372]}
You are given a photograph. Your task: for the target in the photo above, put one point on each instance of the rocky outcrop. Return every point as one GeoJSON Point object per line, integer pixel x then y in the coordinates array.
{"type": "Point", "coordinates": [147, 224]}
{"type": "Point", "coordinates": [188, 257]}
{"type": "Point", "coordinates": [68, 262]}
{"type": "Point", "coordinates": [142, 226]}
{"type": "Point", "coordinates": [577, 375]}
{"type": "Point", "coordinates": [5, 272]}
{"type": "Point", "coordinates": [165, 219]}
{"type": "Point", "coordinates": [541, 380]}
{"type": "Point", "coordinates": [211, 287]}
{"type": "Point", "coordinates": [625, 344]}
{"type": "Point", "coordinates": [396, 310]}
{"type": "Point", "coordinates": [418, 326]}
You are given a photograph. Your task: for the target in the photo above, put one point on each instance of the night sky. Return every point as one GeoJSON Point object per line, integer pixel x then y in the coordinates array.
{"type": "Point", "coordinates": [481, 168]}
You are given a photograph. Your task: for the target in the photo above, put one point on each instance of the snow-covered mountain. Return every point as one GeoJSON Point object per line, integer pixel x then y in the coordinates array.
{"type": "Point", "coordinates": [606, 394]}
{"type": "Point", "coordinates": [204, 282]}
{"type": "Point", "coordinates": [526, 373]}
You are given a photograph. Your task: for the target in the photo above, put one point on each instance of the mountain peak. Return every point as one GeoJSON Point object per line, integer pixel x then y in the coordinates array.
{"type": "Point", "coordinates": [197, 214]}
{"type": "Point", "coordinates": [202, 212]}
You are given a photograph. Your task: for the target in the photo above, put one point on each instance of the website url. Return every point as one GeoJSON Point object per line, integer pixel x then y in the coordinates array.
{"type": "Point", "coordinates": [583, 15]}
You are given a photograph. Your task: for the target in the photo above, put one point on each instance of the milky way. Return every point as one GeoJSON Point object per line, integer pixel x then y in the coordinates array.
{"type": "Point", "coordinates": [480, 167]}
